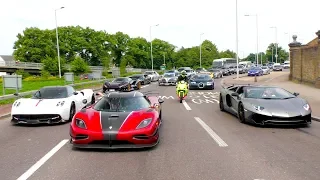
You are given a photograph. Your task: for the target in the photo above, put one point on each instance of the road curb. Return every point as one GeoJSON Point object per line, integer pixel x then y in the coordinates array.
{"type": "Point", "coordinates": [315, 118]}
{"type": "Point", "coordinates": [5, 115]}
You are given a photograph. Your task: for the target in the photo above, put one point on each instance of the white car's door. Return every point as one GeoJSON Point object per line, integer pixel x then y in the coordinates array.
{"type": "Point", "coordinates": [76, 97]}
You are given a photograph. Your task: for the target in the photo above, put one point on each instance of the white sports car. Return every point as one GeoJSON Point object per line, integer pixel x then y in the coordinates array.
{"type": "Point", "coordinates": [49, 105]}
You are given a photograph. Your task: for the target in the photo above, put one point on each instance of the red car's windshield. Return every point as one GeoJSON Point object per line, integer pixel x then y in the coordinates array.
{"type": "Point", "coordinates": [123, 104]}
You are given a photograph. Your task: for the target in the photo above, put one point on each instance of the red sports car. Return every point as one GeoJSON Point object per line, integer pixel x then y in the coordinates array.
{"type": "Point", "coordinates": [118, 120]}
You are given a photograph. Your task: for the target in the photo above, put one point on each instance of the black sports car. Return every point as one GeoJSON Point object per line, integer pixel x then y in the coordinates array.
{"type": "Point", "coordinates": [144, 78]}
{"type": "Point", "coordinates": [121, 84]}
{"type": "Point", "coordinates": [264, 105]}
{"type": "Point", "coordinates": [201, 81]}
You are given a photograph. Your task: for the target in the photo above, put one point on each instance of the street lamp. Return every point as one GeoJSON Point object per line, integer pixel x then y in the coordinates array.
{"type": "Point", "coordinates": [237, 40]}
{"type": "Point", "coordinates": [200, 47]}
{"type": "Point", "coordinates": [257, 56]}
{"type": "Point", "coordinates": [288, 44]}
{"type": "Point", "coordinates": [57, 37]}
{"type": "Point", "coordinates": [276, 34]}
{"type": "Point", "coordinates": [151, 45]}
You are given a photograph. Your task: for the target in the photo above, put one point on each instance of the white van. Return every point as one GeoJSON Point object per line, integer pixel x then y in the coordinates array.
{"type": "Point", "coordinates": [286, 65]}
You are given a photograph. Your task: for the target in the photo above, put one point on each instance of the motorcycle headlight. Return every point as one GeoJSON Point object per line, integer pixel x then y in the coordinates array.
{"type": "Point", "coordinates": [144, 123]}
{"type": "Point", "coordinates": [258, 108]}
{"type": "Point", "coordinates": [80, 123]}
{"type": "Point", "coordinates": [306, 107]}
{"type": "Point", "coordinates": [60, 103]}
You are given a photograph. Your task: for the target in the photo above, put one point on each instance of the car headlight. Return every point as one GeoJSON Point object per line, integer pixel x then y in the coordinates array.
{"type": "Point", "coordinates": [144, 123]}
{"type": "Point", "coordinates": [16, 104]}
{"type": "Point", "coordinates": [258, 108]}
{"type": "Point", "coordinates": [209, 83]}
{"type": "Point", "coordinates": [60, 103]}
{"type": "Point", "coordinates": [80, 123]}
{"type": "Point", "coordinates": [306, 107]}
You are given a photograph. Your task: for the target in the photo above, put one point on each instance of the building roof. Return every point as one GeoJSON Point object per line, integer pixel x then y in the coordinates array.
{"type": "Point", "coordinates": [7, 58]}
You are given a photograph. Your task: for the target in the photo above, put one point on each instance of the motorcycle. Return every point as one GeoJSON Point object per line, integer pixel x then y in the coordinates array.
{"type": "Point", "coordinates": [182, 90]}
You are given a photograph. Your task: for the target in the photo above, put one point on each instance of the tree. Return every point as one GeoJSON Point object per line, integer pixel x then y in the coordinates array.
{"type": "Point", "coordinates": [227, 54]}
{"type": "Point", "coordinates": [98, 48]}
{"type": "Point", "coordinates": [51, 65]}
{"type": "Point", "coordinates": [79, 66]}
{"type": "Point", "coordinates": [251, 57]}
{"type": "Point", "coordinates": [282, 54]}
{"type": "Point", "coordinates": [33, 45]}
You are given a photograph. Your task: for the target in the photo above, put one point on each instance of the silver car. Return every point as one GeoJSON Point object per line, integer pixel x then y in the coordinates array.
{"type": "Point", "coordinates": [265, 70]}
{"type": "Point", "coordinates": [153, 75]}
{"type": "Point", "coordinates": [168, 79]}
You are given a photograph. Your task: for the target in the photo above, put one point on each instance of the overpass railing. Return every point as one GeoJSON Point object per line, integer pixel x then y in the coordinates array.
{"type": "Point", "coordinates": [39, 66]}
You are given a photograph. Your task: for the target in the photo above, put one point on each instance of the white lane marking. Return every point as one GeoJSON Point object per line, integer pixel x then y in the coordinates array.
{"type": "Point", "coordinates": [45, 158]}
{"type": "Point", "coordinates": [214, 135]}
{"type": "Point", "coordinates": [186, 105]}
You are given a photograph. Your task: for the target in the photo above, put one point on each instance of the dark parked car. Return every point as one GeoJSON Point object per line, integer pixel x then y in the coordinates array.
{"type": "Point", "coordinates": [145, 79]}
{"type": "Point", "coordinates": [201, 81]}
{"type": "Point", "coordinates": [121, 84]}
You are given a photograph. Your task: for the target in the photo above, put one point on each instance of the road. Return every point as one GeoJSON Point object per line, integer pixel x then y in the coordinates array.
{"type": "Point", "coordinates": [197, 142]}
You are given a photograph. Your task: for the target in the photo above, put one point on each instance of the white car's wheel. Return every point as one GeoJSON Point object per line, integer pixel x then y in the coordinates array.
{"type": "Point", "coordinates": [72, 111]}
{"type": "Point", "coordinates": [93, 99]}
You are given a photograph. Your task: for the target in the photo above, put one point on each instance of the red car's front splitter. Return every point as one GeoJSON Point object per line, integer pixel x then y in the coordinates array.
{"type": "Point", "coordinates": [88, 139]}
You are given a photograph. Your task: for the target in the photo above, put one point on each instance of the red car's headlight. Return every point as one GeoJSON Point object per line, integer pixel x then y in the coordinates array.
{"type": "Point", "coordinates": [80, 123]}
{"type": "Point", "coordinates": [144, 123]}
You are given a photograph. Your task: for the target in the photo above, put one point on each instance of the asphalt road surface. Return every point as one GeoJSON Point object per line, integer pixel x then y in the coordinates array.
{"type": "Point", "coordinates": [197, 142]}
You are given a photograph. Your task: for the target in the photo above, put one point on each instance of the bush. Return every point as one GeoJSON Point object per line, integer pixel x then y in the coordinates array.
{"type": "Point", "coordinates": [23, 73]}
{"type": "Point", "coordinates": [79, 66]}
{"type": "Point", "coordinates": [45, 74]}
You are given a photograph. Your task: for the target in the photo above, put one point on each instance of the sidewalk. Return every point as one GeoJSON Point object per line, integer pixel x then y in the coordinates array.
{"type": "Point", "coordinates": [5, 110]}
{"type": "Point", "coordinates": [281, 79]}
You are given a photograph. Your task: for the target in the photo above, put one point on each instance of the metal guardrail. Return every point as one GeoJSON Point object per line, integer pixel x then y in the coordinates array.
{"type": "Point", "coordinates": [39, 66]}
{"type": "Point", "coordinates": [21, 94]}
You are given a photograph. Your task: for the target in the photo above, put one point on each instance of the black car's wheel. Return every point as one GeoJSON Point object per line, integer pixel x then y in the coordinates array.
{"type": "Point", "coordinates": [72, 111]}
{"type": "Point", "coordinates": [241, 115]}
{"type": "Point", "coordinates": [221, 103]}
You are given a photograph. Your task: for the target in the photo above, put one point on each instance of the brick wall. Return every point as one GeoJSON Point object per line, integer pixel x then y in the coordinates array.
{"type": "Point", "coordinates": [305, 62]}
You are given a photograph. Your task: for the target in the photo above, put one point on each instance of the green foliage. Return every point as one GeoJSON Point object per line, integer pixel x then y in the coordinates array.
{"type": "Point", "coordinates": [45, 74]}
{"type": "Point", "coordinates": [98, 48]}
{"type": "Point", "coordinates": [267, 56]}
{"type": "Point", "coordinates": [282, 54]}
{"type": "Point", "coordinates": [51, 65]}
{"type": "Point", "coordinates": [79, 66]}
{"type": "Point", "coordinates": [23, 73]}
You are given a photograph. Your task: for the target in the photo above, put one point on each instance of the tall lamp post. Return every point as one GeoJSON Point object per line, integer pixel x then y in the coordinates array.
{"type": "Point", "coordinates": [151, 45]}
{"type": "Point", "coordinates": [200, 47]}
{"type": "Point", "coordinates": [276, 36]}
{"type": "Point", "coordinates": [57, 37]}
{"type": "Point", "coordinates": [288, 44]}
{"type": "Point", "coordinates": [257, 33]}
{"type": "Point", "coordinates": [237, 40]}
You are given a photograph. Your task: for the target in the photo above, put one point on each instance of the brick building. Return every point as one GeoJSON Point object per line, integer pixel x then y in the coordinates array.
{"type": "Point", "coordinates": [305, 61]}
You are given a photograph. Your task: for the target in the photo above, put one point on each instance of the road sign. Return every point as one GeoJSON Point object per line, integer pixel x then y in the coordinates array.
{"type": "Point", "coordinates": [162, 67]}
{"type": "Point", "coordinates": [276, 55]}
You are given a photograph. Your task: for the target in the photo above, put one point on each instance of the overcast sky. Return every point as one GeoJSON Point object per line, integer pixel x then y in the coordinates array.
{"type": "Point", "coordinates": [181, 21]}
